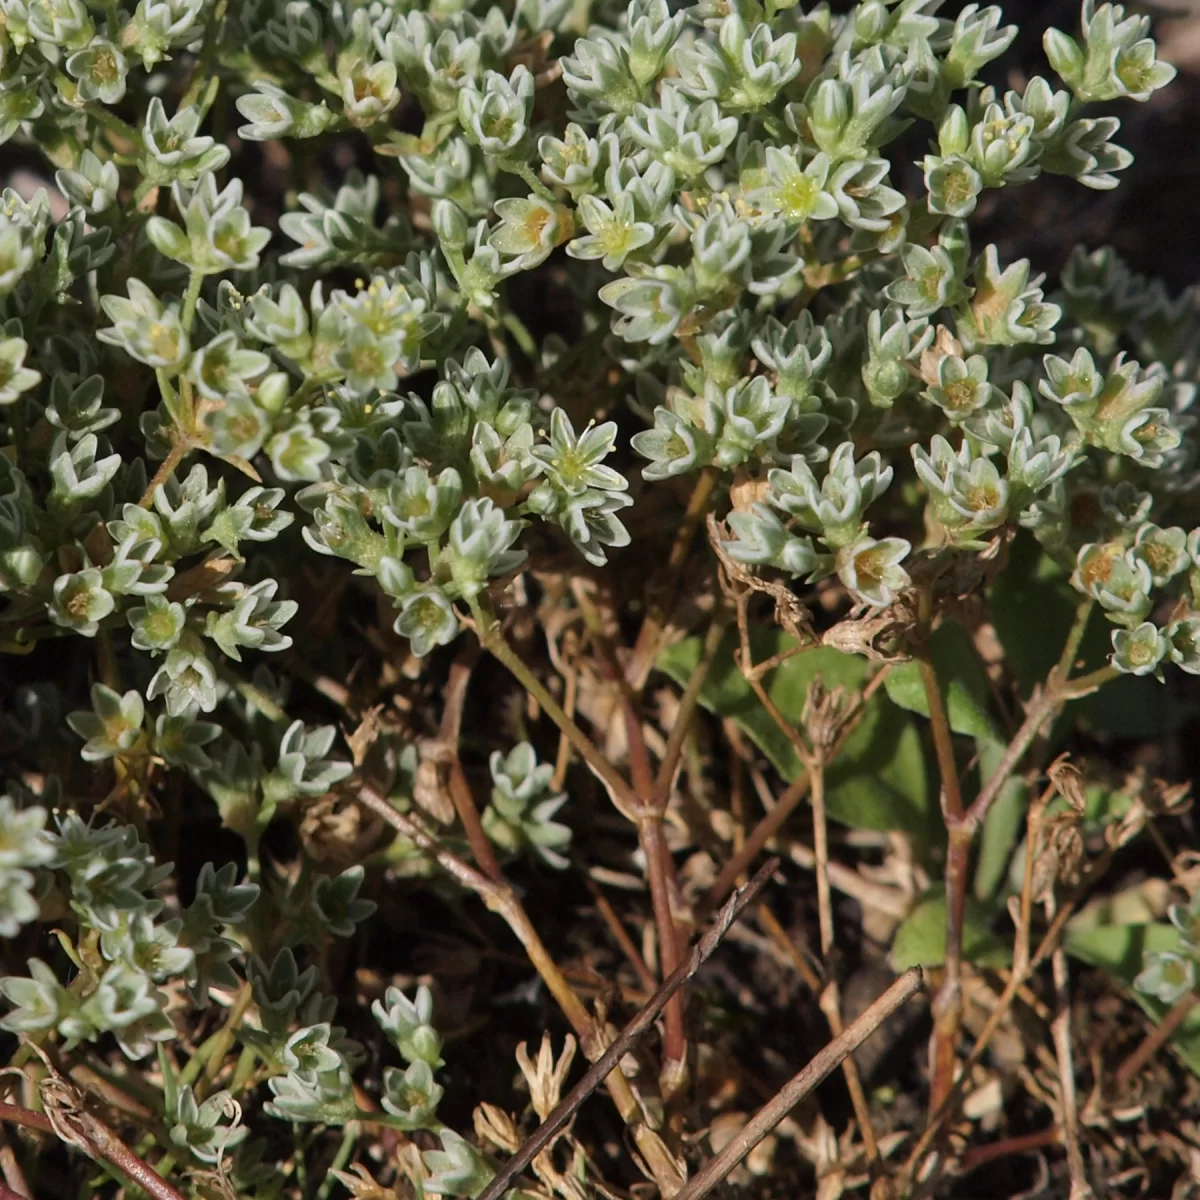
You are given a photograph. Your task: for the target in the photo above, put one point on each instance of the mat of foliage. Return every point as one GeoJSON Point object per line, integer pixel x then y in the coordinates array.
{"type": "Point", "coordinates": [479, 476]}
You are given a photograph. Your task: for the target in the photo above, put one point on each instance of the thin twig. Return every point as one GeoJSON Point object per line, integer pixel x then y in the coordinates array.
{"type": "Point", "coordinates": [822, 1064]}
{"type": "Point", "coordinates": [1025, 1144]}
{"type": "Point", "coordinates": [830, 997]}
{"type": "Point", "coordinates": [1156, 1039]}
{"type": "Point", "coordinates": [492, 639]}
{"type": "Point", "coordinates": [619, 932]}
{"type": "Point", "coordinates": [776, 932]}
{"type": "Point", "coordinates": [687, 706]}
{"type": "Point", "coordinates": [773, 821]}
{"type": "Point", "coordinates": [646, 647]}
{"type": "Point", "coordinates": [947, 1004]}
{"type": "Point", "coordinates": [1060, 1028]}
{"type": "Point", "coordinates": [501, 899]}
{"type": "Point", "coordinates": [563, 758]}
{"type": "Point", "coordinates": [750, 849]}
{"type": "Point", "coordinates": [97, 1141]}
{"type": "Point", "coordinates": [449, 732]}
{"type": "Point", "coordinates": [567, 1108]}
{"type": "Point", "coordinates": [177, 453]}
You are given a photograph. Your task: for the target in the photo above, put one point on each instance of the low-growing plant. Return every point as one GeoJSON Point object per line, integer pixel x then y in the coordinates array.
{"type": "Point", "coordinates": [622, 343]}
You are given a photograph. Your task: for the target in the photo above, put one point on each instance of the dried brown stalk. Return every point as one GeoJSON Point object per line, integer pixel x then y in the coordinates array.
{"type": "Point", "coordinates": [1060, 1028]}
{"type": "Point", "coordinates": [818, 1069]}
{"type": "Point", "coordinates": [701, 952]}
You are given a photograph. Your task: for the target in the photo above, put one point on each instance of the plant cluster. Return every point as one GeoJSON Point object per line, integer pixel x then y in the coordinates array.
{"type": "Point", "coordinates": [757, 217]}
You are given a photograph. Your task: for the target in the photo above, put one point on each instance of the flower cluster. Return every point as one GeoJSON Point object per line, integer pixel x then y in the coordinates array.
{"type": "Point", "coordinates": [124, 949]}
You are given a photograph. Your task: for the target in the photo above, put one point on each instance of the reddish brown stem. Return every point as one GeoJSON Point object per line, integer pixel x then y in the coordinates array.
{"type": "Point", "coordinates": [659, 872]}
{"type": "Point", "coordinates": [752, 847]}
{"type": "Point", "coordinates": [687, 706]}
{"type": "Point", "coordinates": [947, 1005]}
{"type": "Point", "coordinates": [1155, 1039]}
{"type": "Point", "coordinates": [468, 814]}
{"type": "Point", "coordinates": [98, 1141]}
{"type": "Point", "coordinates": [606, 910]}
{"type": "Point", "coordinates": [460, 790]}
{"type": "Point", "coordinates": [646, 646]}
{"type": "Point", "coordinates": [982, 1155]}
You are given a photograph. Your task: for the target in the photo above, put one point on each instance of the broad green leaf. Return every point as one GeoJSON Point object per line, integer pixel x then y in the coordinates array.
{"type": "Point", "coordinates": [1033, 606]}
{"type": "Point", "coordinates": [921, 939]}
{"type": "Point", "coordinates": [1002, 826]}
{"type": "Point", "coordinates": [1142, 903]}
{"type": "Point", "coordinates": [1119, 950]}
{"type": "Point", "coordinates": [964, 685]}
{"type": "Point", "coordinates": [879, 779]}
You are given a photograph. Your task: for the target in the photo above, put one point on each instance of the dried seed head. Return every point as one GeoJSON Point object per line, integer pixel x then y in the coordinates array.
{"type": "Point", "coordinates": [825, 714]}
{"type": "Point", "coordinates": [358, 1182]}
{"type": "Point", "coordinates": [545, 1077]}
{"type": "Point", "coordinates": [431, 789]}
{"type": "Point", "coordinates": [1067, 778]}
{"type": "Point", "coordinates": [494, 1125]}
